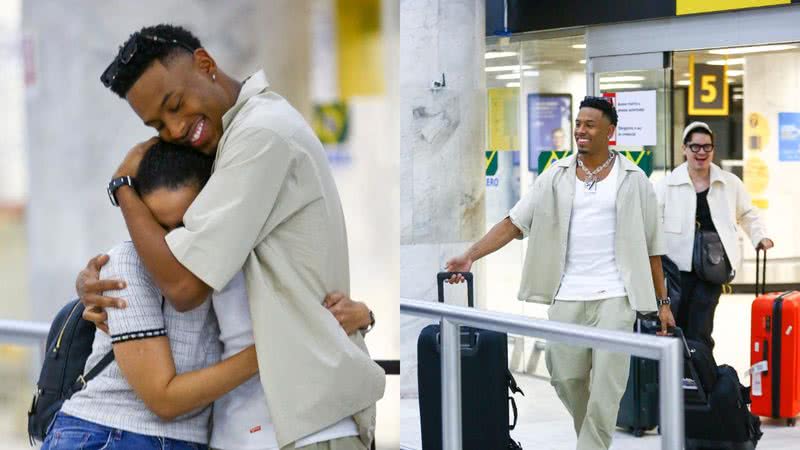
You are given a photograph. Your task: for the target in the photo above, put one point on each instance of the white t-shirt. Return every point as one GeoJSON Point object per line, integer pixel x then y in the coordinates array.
{"type": "Point", "coordinates": [241, 417]}
{"type": "Point", "coordinates": [591, 271]}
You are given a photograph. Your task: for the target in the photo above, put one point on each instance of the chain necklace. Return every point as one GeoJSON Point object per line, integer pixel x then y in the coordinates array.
{"type": "Point", "coordinates": [591, 177]}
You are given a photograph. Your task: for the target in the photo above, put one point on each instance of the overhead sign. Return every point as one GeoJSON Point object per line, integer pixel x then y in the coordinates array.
{"type": "Point", "coordinates": [636, 111]}
{"type": "Point", "coordinates": [643, 159]}
{"type": "Point", "coordinates": [708, 89]}
{"type": "Point", "coordinates": [705, 6]}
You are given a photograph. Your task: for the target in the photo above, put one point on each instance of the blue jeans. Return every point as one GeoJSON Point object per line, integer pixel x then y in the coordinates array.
{"type": "Point", "coordinates": [72, 433]}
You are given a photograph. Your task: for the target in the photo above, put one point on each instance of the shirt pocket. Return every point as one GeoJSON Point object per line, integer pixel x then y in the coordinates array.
{"type": "Point", "coordinates": [673, 224]}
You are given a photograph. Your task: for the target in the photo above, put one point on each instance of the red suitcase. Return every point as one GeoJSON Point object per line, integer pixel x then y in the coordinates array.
{"type": "Point", "coordinates": [775, 354]}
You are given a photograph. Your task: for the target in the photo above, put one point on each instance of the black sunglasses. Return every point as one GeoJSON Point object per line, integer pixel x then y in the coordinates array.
{"type": "Point", "coordinates": [127, 52]}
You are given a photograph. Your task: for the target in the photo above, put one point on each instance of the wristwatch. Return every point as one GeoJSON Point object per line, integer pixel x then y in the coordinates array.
{"type": "Point", "coordinates": [371, 323]}
{"type": "Point", "coordinates": [663, 301]}
{"type": "Point", "coordinates": [117, 183]}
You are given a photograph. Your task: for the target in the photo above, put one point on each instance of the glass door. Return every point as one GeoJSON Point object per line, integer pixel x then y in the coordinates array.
{"type": "Point", "coordinates": [640, 87]}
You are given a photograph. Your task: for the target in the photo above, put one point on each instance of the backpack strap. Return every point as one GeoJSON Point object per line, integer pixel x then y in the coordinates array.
{"type": "Point", "coordinates": [80, 383]}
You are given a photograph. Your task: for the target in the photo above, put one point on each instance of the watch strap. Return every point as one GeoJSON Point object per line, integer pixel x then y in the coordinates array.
{"type": "Point", "coordinates": [117, 183]}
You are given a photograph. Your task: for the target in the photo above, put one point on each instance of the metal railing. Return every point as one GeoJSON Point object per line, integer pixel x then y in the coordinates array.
{"type": "Point", "coordinates": [27, 333]}
{"type": "Point", "coordinates": [667, 351]}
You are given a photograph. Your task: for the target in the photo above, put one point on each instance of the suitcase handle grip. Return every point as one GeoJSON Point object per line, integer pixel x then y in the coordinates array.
{"type": "Point", "coordinates": [514, 410]}
{"type": "Point", "coordinates": [761, 271]}
{"type": "Point", "coordinates": [441, 277]}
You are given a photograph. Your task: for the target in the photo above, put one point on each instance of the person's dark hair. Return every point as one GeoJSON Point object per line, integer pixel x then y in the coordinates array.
{"type": "Point", "coordinates": [700, 130]}
{"type": "Point", "coordinates": [603, 105]}
{"type": "Point", "coordinates": [161, 42]}
{"type": "Point", "coordinates": [172, 166]}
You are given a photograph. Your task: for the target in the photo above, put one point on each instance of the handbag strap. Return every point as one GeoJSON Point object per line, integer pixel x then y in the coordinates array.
{"type": "Point", "coordinates": [80, 383]}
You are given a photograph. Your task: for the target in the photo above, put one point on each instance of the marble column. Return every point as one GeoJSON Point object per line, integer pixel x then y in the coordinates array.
{"type": "Point", "coordinates": [78, 131]}
{"type": "Point", "coordinates": [442, 140]}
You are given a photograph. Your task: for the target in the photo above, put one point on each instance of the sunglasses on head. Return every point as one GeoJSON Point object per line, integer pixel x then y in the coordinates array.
{"type": "Point", "coordinates": [127, 53]}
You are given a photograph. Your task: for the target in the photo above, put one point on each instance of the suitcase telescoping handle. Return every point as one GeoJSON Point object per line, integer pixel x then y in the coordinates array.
{"type": "Point", "coordinates": [441, 277]}
{"type": "Point", "coordinates": [761, 272]}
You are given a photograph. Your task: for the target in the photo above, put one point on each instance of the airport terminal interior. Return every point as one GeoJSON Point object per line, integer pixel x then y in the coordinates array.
{"type": "Point", "coordinates": [436, 117]}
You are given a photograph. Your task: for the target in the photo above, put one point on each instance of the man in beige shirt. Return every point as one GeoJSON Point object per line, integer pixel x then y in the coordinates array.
{"type": "Point", "coordinates": [593, 255]}
{"type": "Point", "coordinates": [270, 208]}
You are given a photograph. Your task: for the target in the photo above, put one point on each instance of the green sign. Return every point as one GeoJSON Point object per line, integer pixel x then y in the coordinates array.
{"type": "Point", "coordinates": [643, 159]}
{"type": "Point", "coordinates": [491, 163]}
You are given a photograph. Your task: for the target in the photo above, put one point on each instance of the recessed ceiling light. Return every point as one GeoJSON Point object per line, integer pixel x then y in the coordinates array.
{"type": "Point", "coordinates": [687, 74]}
{"type": "Point", "coordinates": [583, 61]}
{"type": "Point", "coordinates": [684, 83]}
{"type": "Point", "coordinates": [605, 87]}
{"type": "Point", "coordinates": [541, 63]}
{"type": "Point", "coordinates": [494, 55]}
{"type": "Point", "coordinates": [512, 84]}
{"type": "Point", "coordinates": [738, 89]}
{"type": "Point", "coordinates": [722, 62]}
{"type": "Point", "coordinates": [737, 97]}
{"type": "Point", "coordinates": [734, 73]}
{"type": "Point", "coordinates": [579, 46]}
{"type": "Point", "coordinates": [621, 78]}
{"type": "Point", "coordinates": [755, 49]}
{"type": "Point", "coordinates": [508, 76]}
{"type": "Point", "coordinates": [531, 73]}
{"type": "Point", "coordinates": [504, 68]}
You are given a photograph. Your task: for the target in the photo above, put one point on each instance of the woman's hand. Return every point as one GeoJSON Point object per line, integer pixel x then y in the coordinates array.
{"type": "Point", "coordinates": [765, 244]}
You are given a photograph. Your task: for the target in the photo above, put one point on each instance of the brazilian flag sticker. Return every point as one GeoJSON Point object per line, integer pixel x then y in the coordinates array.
{"type": "Point", "coordinates": [331, 122]}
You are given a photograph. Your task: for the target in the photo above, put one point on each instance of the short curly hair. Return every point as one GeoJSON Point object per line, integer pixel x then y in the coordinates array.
{"type": "Point", "coordinates": [149, 50]}
{"type": "Point", "coordinates": [172, 166]}
{"type": "Point", "coordinates": [603, 105]}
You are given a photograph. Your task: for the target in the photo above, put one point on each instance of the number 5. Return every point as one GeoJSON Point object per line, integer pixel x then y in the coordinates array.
{"type": "Point", "coordinates": [707, 85]}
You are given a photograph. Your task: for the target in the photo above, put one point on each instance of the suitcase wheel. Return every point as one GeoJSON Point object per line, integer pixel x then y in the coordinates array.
{"type": "Point", "coordinates": [791, 422]}
{"type": "Point", "coordinates": [638, 432]}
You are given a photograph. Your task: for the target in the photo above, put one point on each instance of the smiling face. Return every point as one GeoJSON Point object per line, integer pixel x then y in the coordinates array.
{"type": "Point", "coordinates": [169, 205]}
{"type": "Point", "coordinates": [181, 101]}
{"type": "Point", "coordinates": [592, 130]}
{"type": "Point", "coordinates": [700, 161]}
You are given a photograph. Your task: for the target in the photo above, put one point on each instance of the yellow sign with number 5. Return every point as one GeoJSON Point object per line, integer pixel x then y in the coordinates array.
{"type": "Point", "coordinates": [708, 89]}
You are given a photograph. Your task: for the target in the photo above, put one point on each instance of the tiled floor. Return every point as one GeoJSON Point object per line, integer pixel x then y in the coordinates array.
{"type": "Point", "coordinates": [544, 424]}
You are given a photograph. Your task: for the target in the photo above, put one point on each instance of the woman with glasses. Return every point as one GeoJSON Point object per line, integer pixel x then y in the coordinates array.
{"type": "Point", "coordinates": [703, 206]}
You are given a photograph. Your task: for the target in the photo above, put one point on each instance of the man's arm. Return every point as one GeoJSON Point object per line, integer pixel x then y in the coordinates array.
{"type": "Point", "coordinates": [500, 235]}
{"type": "Point", "coordinates": [664, 311]}
{"type": "Point", "coordinates": [180, 286]}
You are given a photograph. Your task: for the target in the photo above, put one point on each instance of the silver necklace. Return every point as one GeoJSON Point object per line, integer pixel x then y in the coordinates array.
{"type": "Point", "coordinates": [591, 176]}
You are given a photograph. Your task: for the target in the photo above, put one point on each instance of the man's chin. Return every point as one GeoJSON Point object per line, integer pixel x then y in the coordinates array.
{"type": "Point", "coordinates": [583, 151]}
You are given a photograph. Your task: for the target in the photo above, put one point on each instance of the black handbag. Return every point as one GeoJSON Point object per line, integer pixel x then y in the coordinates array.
{"type": "Point", "coordinates": [709, 260]}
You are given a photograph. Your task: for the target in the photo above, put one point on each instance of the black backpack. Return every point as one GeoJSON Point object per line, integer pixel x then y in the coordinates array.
{"type": "Point", "coordinates": [69, 344]}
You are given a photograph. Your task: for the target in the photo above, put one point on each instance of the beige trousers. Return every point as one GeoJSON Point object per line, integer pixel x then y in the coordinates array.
{"type": "Point", "coordinates": [345, 443]}
{"type": "Point", "coordinates": [590, 382]}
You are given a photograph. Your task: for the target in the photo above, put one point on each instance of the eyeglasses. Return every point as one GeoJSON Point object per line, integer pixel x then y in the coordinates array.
{"type": "Point", "coordinates": [695, 148]}
{"type": "Point", "coordinates": [127, 52]}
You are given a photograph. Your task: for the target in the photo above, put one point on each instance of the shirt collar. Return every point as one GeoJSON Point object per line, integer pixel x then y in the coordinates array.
{"type": "Point", "coordinates": [681, 175]}
{"type": "Point", "coordinates": [252, 86]}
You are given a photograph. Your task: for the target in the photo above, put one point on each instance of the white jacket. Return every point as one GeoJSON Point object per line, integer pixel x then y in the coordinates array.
{"type": "Point", "coordinates": [729, 204]}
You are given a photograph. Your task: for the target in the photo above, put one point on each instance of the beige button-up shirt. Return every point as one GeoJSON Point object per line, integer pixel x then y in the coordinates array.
{"type": "Point", "coordinates": [271, 207]}
{"type": "Point", "coordinates": [543, 215]}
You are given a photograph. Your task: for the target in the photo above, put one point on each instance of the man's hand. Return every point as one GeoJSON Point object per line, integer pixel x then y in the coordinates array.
{"type": "Point", "coordinates": [765, 244]}
{"type": "Point", "coordinates": [90, 290]}
{"type": "Point", "coordinates": [458, 264]}
{"type": "Point", "coordinates": [351, 315]}
{"type": "Point", "coordinates": [130, 165]}
{"type": "Point", "coordinates": [667, 321]}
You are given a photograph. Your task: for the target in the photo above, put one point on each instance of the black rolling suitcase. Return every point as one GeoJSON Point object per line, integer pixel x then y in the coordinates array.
{"type": "Point", "coordinates": [638, 408]}
{"type": "Point", "coordinates": [485, 385]}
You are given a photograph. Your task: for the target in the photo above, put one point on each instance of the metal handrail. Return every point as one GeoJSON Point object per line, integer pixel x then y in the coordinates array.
{"type": "Point", "coordinates": [23, 332]}
{"type": "Point", "coordinates": [667, 351]}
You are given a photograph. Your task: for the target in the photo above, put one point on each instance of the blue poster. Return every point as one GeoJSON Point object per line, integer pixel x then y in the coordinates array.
{"type": "Point", "coordinates": [789, 136]}
{"type": "Point", "coordinates": [549, 125]}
